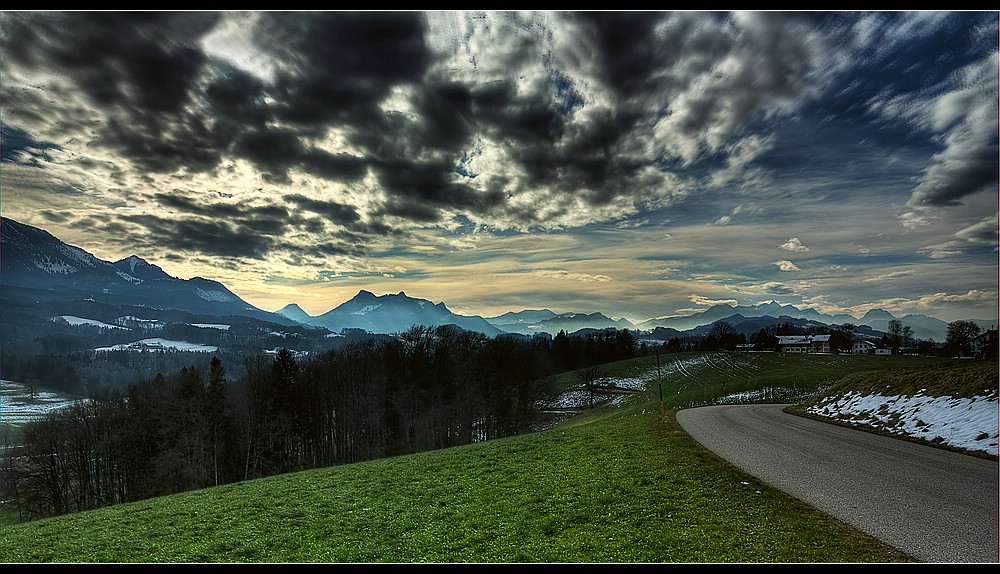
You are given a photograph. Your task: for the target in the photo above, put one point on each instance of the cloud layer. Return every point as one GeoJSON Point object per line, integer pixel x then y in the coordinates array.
{"type": "Point", "coordinates": [306, 146]}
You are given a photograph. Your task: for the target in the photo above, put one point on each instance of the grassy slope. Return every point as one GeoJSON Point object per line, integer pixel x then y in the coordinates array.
{"type": "Point", "coordinates": [620, 484]}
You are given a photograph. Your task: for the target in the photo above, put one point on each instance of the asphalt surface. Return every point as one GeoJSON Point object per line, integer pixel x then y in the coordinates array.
{"type": "Point", "coordinates": [936, 505]}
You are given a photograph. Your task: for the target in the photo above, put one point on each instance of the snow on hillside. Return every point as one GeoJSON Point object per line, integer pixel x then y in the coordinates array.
{"type": "Point", "coordinates": [366, 309]}
{"type": "Point", "coordinates": [959, 422]}
{"type": "Point", "coordinates": [217, 296]}
{"type": "Point", "coordinates": [54, 267]}
{"type": "Point", "coordinates": [967, 423]}
{"type": "Point", "coordinates": [17, 406]}
{"type": "Point", "coordinates": [211, 326]}
{"type": "Point", "coordinates": [74, 321]}
{"type": "Point", "coordinates": [128, 277]}
{"type": "Point", "coordinates": [140, 322]}
{"type": "Point", "coordinates": [157, 344]}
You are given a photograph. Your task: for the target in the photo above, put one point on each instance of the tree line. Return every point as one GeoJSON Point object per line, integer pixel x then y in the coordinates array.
{"type": "Point", "coordinates": [201, 426]}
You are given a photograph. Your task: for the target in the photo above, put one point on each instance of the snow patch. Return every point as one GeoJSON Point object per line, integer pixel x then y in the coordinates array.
{"type": "Point", "coordinates": [76, 321]}
{"type": "Point", "coordinates": [128, 277]}
{"type": "Point", "coordinates": [78, 254]}
{"type": "Point", "coordinates": [366, 309]}
{"type": "Point", "coordinates": [969, 423]}
{"type": "Point", "coordinates": [19, 407]}
{"type": "Point", "coordinates": [157, 344]}
{"type": "Point", "coordinates": [218, 296]}
{"type": "Point", "coordinates": [132, 321]}
{"type": "Point", "coordinates": [55, 267]}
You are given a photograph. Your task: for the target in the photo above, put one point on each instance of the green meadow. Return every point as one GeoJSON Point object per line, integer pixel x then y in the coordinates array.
{"type": "Point", "coordinates": [619, 483]}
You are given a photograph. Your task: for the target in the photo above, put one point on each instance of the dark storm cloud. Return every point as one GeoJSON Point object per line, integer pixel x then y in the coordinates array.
{"type": "Point", "coordinates": [15, 143]}
{"type": "Point", "coordinates": [340, 167]}
{"type": "Point", "coordinates": [183, 203]}
{"type": "Point", "coordinates": [778, 289]}
{"type": "Point", "coordinates": [104, 222]}
{"type": "Point", "coordinates": [445, 113]}
{"type": "Point", "coordinates": [628, 51]}
{"type": "Point", "coordinates": [957, 173]}
{"type": "Point", "coordinates": [332, 211]}
{"type": "Point", "coordinates": [138, 66]}
{"type": "Point", "coordinates": [142, 60]}
{"type": "Point", "coordinates": [516, 120]}
{"type": "Point", "coordinates": [273, 150]}
{"type": "Point", "coordinates": [206, 236]}
{"type": "Point", "coordinates": [337, 66]}
{"type": "Point", "coordinates": [420, 190]}
{"type": "Point", "coordinates": [58, 217]}
{"type": "Point", "coordinates": [261, 219]}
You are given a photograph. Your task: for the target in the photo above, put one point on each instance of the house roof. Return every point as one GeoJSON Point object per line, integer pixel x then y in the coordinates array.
{"type": "Point", "coordinates": [793, 340]}
{"type": "Point", "coordinates": [802, 339]}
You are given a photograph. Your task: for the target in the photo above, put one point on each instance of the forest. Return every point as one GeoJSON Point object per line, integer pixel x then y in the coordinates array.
{"type": "Point", "coordinates": [214, 423]}
{"type": "Point", "coordinates": [235, 417]}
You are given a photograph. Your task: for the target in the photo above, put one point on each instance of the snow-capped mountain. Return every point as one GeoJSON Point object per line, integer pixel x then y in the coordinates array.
{"type": "Point", "coordinates": [33, 260]}
{"type": "Point", "coordinates": [295, 313]}
{"type": "Point", "coordinates": [395, 314]}
{"type": "Point", "coordinates": [521, 318]}
{"type": "Point", "coordinates": [530, 322]}
{"type": "Point", "coordinates": [923, 327]}
{"type": "Point", "coordinates": [720, 312]}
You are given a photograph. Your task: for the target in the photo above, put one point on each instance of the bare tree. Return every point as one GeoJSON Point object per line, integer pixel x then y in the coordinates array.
{"type": "Point", "coordinates": [589, 377]}
{"type": "Point", "coordinates": [960, 336]}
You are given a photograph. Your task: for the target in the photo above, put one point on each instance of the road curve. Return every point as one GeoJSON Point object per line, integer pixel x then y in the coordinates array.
{"type": "Point", "coordinates": [934, 504]}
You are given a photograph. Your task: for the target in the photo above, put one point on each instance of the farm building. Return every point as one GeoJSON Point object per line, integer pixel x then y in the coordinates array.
{"type": "Point", "coordinates": [863, 347]}
{"type": "Point", "coordinates": [804, 343]}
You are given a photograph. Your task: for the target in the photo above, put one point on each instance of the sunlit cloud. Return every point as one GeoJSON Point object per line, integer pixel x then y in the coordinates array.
{"type": "Point", "coordinates": [519, 159]}
{"type": "Point", "coordinates": [785, 265]}
{"type": "Point", "coordinates": [793, 244]}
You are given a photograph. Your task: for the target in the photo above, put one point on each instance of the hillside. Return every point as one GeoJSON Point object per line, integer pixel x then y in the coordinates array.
{"type": "Point", "coordinates": [617, 484]}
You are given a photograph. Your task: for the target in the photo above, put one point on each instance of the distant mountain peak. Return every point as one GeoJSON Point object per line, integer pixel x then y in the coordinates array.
{"type": "Point", "coordinates": [34, 259]}
{"type": "Point", "coordinates": [394, 313]}
{"type": "Point", "coordinates": [877, 314]}
{"type": "Point", "coordinates": [141, 269]}
{"type": "Point", "coordinates": [294, 312]}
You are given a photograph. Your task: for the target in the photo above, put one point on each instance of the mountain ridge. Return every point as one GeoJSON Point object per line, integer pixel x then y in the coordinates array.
{"type": "Point", "coordinates": [33, 258]}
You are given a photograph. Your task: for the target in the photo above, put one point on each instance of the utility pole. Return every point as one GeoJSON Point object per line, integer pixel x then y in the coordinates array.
{"type": "Point", "coordinates": [659, 383]}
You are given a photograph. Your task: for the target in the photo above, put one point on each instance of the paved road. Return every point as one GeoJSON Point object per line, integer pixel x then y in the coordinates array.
{"type": "Point", "coordinates": [934, 504]}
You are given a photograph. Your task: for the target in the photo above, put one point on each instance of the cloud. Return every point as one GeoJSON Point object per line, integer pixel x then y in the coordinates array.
{"type": "Point", "coordinates": [890, 276]}
{"type": "Point", "coordinates": [301, 142]}
{"type": "Point", "coordinates": [775, 288]}
{"type": "Point", "coordinates": [785, 265]}
{"type": "Point", "coordinates": [928, 303]}
{"type": "Point", "coordinates": [971, 295]}
{"type": "Point", "coordinates": [793, 244]}
{"type": "Point", "coordinates": [208, 236]}
{"type": "Point", "coordinates": [585, 277]}
{"type": "Point", "coordinates": [514, 120]}
{"type": "Point", "coordinates": [984, 232]}
{"type": "Point", "coordinates": [700, 300]}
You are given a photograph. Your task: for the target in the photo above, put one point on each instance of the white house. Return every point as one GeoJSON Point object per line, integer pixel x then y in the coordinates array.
{"type": "Point", "coordinates": [804, 343]}
{"type": "Point", "coordinates": [863, 347]}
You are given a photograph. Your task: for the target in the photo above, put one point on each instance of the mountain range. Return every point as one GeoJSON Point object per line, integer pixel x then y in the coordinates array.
{"type": "Point", "coordinates": [388, 314]}
{"type": "Point", "coordinates": [35, 262]}
{"type": "Point", "coordinates": [38, 265]}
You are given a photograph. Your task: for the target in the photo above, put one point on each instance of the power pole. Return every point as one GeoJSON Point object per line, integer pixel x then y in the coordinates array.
{"type": "Point", "coordinates": [659, 383]}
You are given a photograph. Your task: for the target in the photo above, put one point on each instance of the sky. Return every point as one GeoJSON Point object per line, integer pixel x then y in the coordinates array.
{"type": "Point", "coordinates": [638, 164]}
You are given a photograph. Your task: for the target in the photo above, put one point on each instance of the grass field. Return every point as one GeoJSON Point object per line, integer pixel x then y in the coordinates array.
{"type": "Point", "coordinates": [622, 483]}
